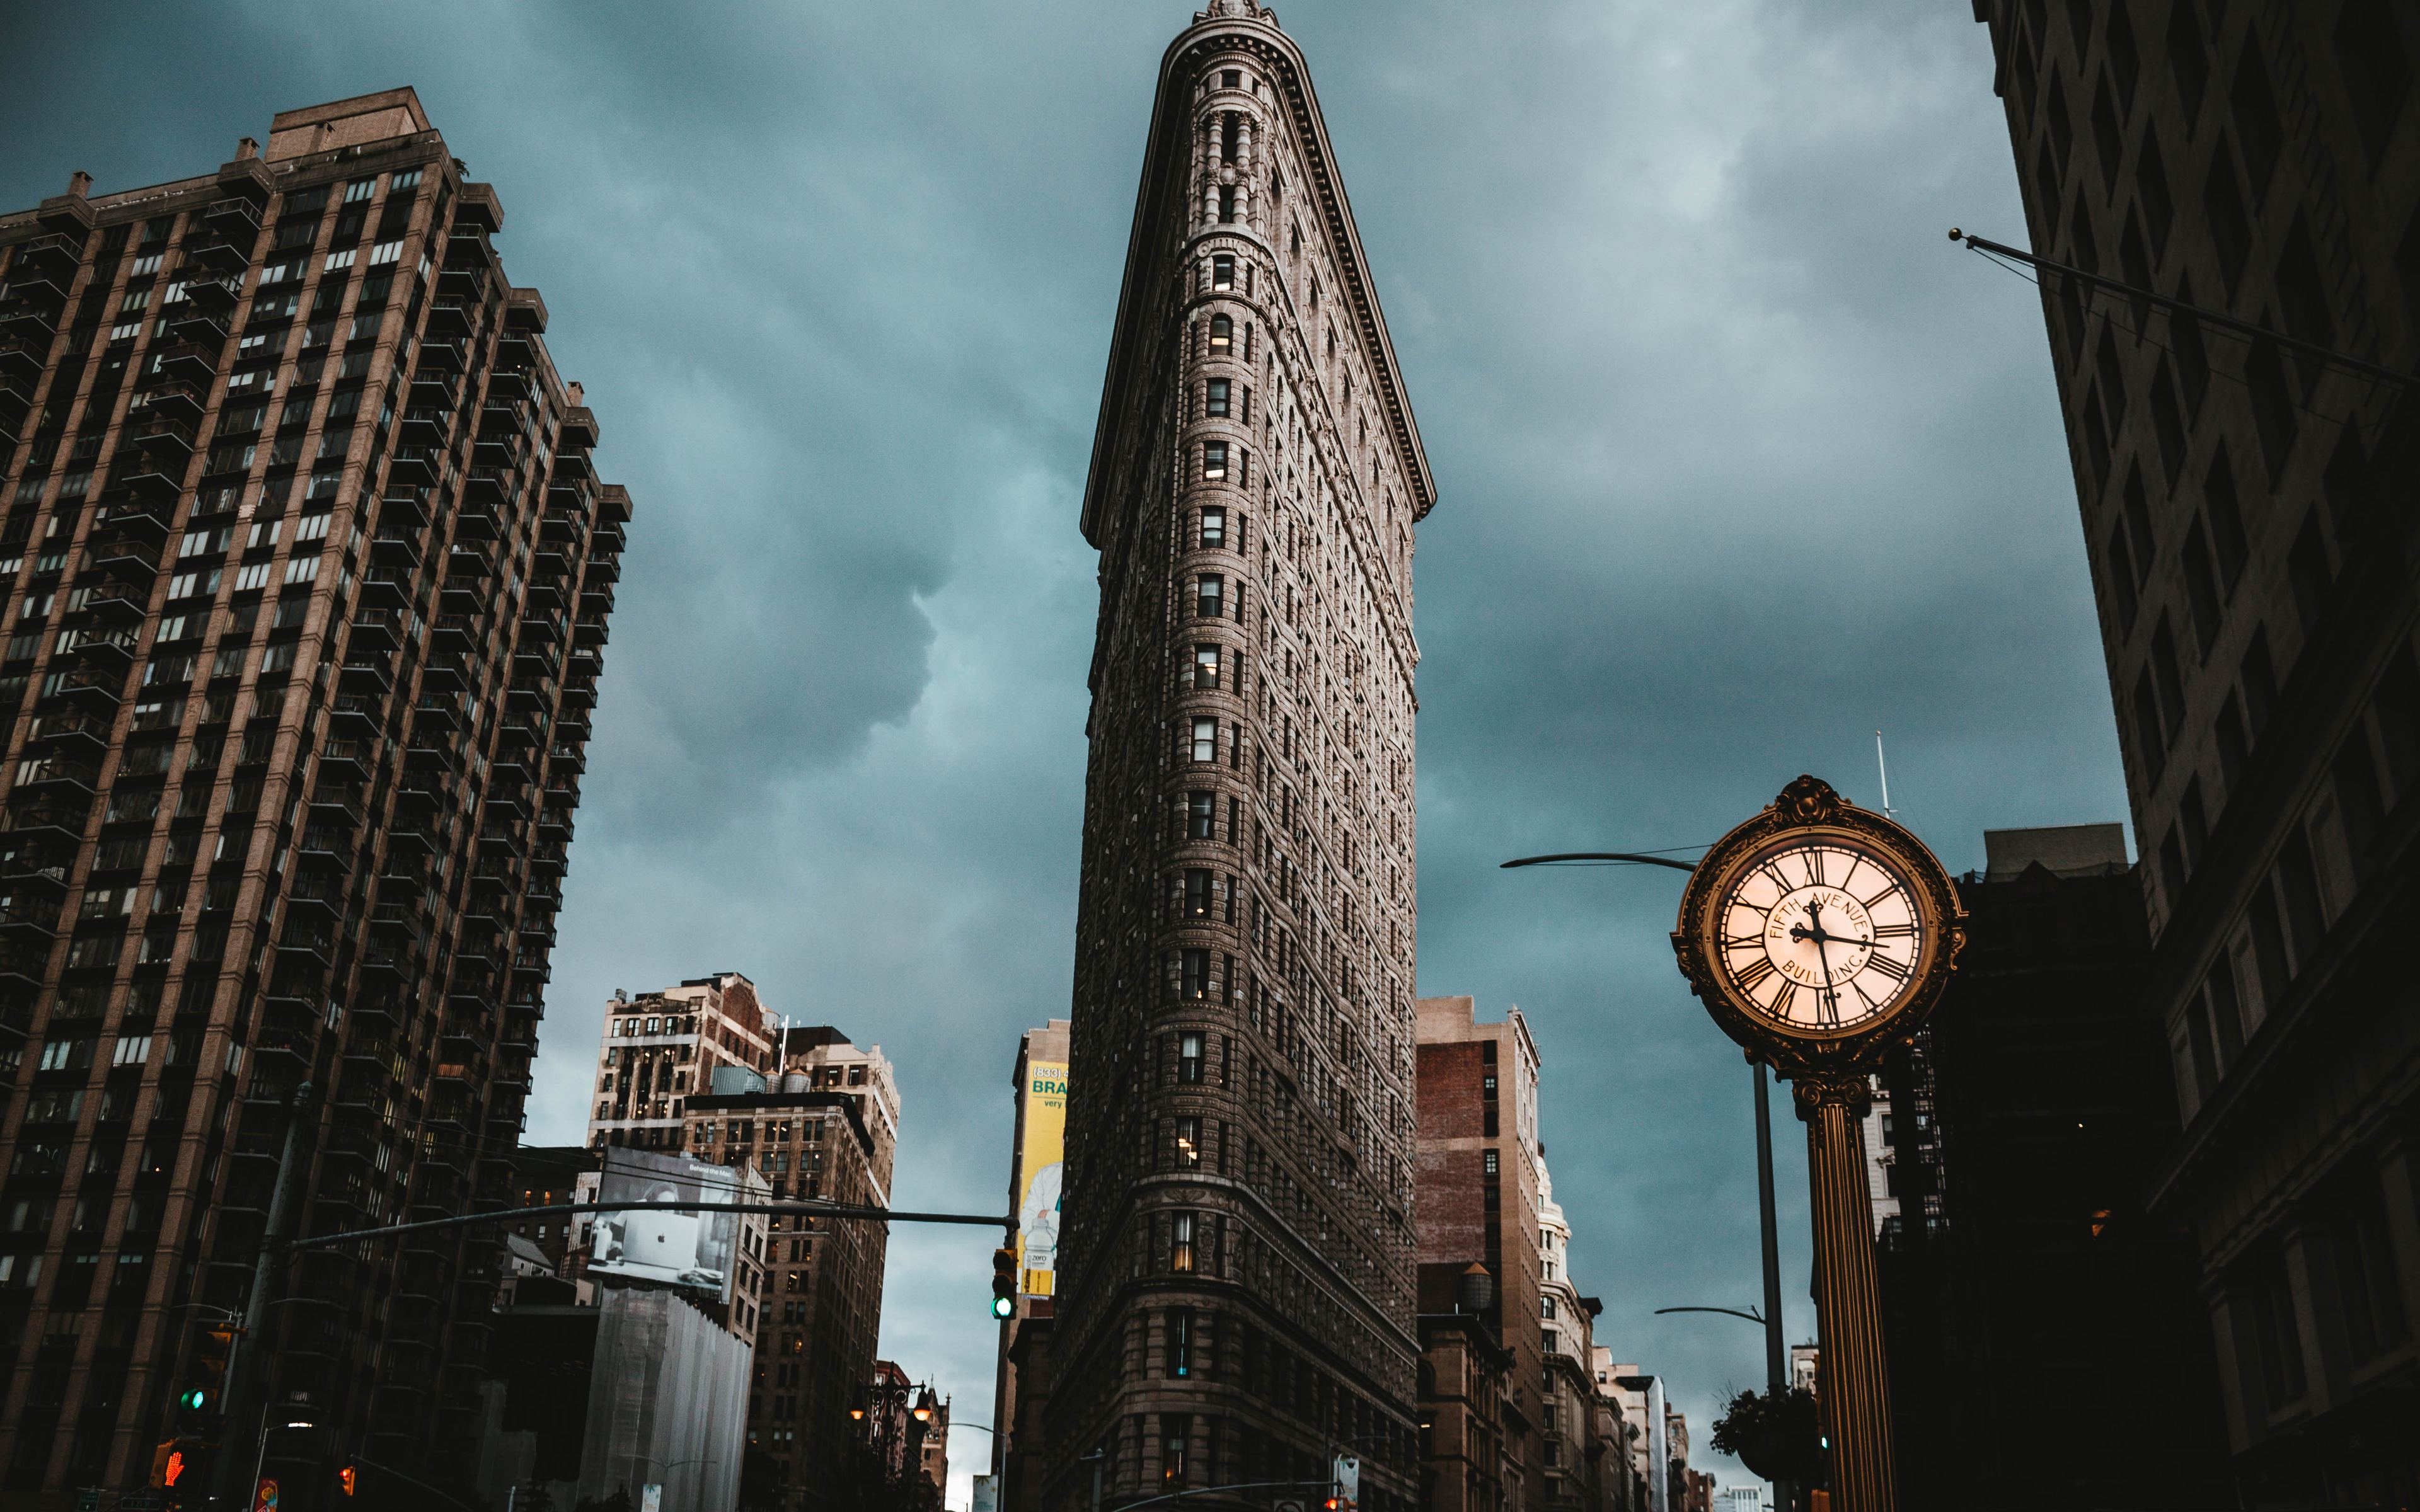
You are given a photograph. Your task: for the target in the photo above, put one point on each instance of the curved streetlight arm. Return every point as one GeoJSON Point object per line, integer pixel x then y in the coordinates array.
{"type": "Point", "coordinates": [1751, 1315]}
{"type": "Point", "coordinates": [1634, 857]}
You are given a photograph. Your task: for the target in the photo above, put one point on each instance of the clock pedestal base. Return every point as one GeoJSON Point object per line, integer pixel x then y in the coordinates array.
{"type": "Point", "coordinates": [1853, 1385]}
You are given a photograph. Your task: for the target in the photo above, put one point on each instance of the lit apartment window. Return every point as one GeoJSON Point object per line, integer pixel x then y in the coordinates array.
{"type": "Point", "coordinates": [1213, 459]}
{"type": "Point", "coordinates": [1180, 1243]}
{"type": "Point", "coordinates": [1200, 809]}
{"type": "Point", "coordinates": [1222, 335]}
{"type": "Point", "coordinates": [1196, 893]}
{"type": "Point", "coordinates": [1205, 666]}
{"type": "Point", "coordinates": [1188, 1143]}
{"type": "Point", "coordinates": [1205, 740]}
{"type": "Point", "coordinates": [1189, 1056]}
{"type": "Point", "coordinates": [1194, 980]}
{"type": "Point", "coordinates": [1222, 271]}
{"type": "Point", "coordinates": [1488, 1163]}
{"type": "Point", "coordinates": [1214, 527]}
{"type": "Point", "coordinates": [1214, 403]}
{"type": "Point", "coordinates": [1175, 1428]}
{"type": "Point", "coordinates": [1209, 595]}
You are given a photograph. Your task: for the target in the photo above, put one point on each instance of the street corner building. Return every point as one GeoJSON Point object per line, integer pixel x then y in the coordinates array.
{"type": "Point", "coordinates": [307, 570]}
{"type": "Point", "coordinates": [2245, 433]}
{"type": "Point", "coordinates": [1235, 1293]}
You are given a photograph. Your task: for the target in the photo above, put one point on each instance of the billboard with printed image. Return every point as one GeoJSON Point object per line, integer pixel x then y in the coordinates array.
{"type": "Point", "coordinates": [1039, 1163]}
{"type": "Point", "coordinates": [648, 1239]}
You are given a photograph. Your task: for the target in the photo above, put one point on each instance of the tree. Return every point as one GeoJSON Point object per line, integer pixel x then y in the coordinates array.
{"type": "Point", "coordinates": [1778, 1436]}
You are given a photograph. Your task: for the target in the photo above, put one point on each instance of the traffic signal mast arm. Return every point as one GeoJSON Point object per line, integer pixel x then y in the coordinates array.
{"type": "Point", "coordinates": [1211, 1491]}
{"type": "Point", "coordinates": [784, 1210]}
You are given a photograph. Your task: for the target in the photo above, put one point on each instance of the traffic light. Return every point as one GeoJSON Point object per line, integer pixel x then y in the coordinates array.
{"type": "Point", "coordinates": [348, 1478]}
{"type": "Point", "coordinates": [299, 1463]}
{"type": "Point", "coordinates": [1003, 1282]}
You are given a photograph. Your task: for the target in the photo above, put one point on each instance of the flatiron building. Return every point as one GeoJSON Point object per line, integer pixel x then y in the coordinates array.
{"type": "Point", "coordinates": [305, 572]}
{"type": "Point", "coordinates": [1236, 1274]}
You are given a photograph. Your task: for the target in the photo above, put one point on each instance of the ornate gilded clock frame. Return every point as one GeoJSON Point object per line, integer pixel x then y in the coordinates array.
{"type": "Point", "coordinates": [1809, 809]}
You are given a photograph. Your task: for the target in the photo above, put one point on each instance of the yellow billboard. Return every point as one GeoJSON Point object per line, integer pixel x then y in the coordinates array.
{"type": "Point", "coordinates": [1038, 1166]}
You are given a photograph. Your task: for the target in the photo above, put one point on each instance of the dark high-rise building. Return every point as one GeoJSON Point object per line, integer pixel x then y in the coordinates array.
{"type": "Point", "coordinates": [2247, 505]}
{"type": "Point", "coordinates": [306, 569]}
{"type": "Point", "coordinates": [2015, 1141]}
{"type": "Point", "coordinates": [1234, 1286]}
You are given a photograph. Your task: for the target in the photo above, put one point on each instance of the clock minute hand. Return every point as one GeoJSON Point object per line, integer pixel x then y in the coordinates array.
{"type": "Point", "coordinates": [1815, 914]}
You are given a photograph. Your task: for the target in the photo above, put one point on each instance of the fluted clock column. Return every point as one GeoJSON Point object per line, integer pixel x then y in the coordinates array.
{"type": "Point", "coordinates": [1854, 1379]}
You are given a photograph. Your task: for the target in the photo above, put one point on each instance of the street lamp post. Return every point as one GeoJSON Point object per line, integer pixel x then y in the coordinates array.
{"type": "Point", "coordinates": [666, 1470]}
{"type": "Point", "coordinates": [1776, 1352]}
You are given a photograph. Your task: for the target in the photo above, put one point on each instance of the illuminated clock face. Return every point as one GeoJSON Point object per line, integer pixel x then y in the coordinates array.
{"type": "Point", "coordinates": [1820, 933]}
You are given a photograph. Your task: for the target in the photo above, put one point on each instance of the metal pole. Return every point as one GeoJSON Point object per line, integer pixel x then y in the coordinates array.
{"type": "Point", "coordinates": [1097, 1456]}
{"type": "Point", "coordinates": [238, 1402]}
{"type": "Point", "coordinates": [2216, 318]}
{"type": "Point", "coordinates": [1777, 1354]}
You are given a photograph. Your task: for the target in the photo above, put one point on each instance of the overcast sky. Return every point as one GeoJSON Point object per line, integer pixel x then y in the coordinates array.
{"type": "Point", "coordinates": [1738, 459]}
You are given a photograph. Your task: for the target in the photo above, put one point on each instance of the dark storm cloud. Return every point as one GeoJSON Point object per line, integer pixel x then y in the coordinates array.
{"type": "Point", "coordinates": [1739, 460]}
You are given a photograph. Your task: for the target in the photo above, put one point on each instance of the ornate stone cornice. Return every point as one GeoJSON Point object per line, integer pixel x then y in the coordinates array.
{"type": "Point", "coordinates": [1229, 27]}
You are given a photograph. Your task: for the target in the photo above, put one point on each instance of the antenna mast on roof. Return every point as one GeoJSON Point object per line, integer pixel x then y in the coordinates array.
{"type": "Point", "coordinates": [1884, 768]}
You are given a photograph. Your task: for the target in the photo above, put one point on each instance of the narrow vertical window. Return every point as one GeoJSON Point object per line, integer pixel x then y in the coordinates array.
{"type": "Point", "coordinates": [1189, 1056]}
{"type": "Point", "coordinates": [1213, 461]}
{"type": "Point", "coordinates": [1199, 809]}
{"type": "Point", "coordinates": [1205, 740]}
{"type": "Point", "coordinates": [1180, 1341]}
{"type": "Point", "coordinates": [1214, 528]}
{"type": "Point", "coordinates": [1197, 896]}
{"type": "Point", "coordinates": [1193, 982]}
{"type": "Point", "coordinates": [1174, 1429]}
{"type": "Point", "coordinates": [1205, 667]}
{"type": "Point", "coordinates": [1180, 1243]}
{"type": "Point", "coordinates": [1222, 335]}
{"type": "Point", "coordinates": [1210, 595]}
{"type": "Point", "coordinates": [1188, 1143]}
{"type": "Point", "coordinates": [1214, 397]}
{"type": "Point", "coordinates": [1222, 271]}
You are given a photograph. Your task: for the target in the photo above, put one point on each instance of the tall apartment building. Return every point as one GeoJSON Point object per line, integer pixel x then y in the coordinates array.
{"type": "Point", "coordinates": [2253, 561]}
{"type": "Point", "coordinates": [306, 569]}
{"type": "Point", "coordinates": [1036, 1163]}
{"type": "Point", "coordinates": [1479, 1176]}
{"type": "Point", "coordinates": [1235, 1296]}
{"type": "Point", "coordinates": [659, 1047]}
{"type": "Point", "coordinates": [825, 1128]}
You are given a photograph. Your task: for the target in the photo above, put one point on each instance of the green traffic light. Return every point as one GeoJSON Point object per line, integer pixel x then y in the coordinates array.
{"type": "Point", "coordinates": [195, 1400]}
{"type": "Point", "coordinates": [1002, 1306]}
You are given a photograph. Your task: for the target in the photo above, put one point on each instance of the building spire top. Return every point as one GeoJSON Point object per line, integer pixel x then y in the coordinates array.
{"type": "Point", "coordinates": [1242, 10]}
